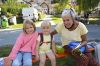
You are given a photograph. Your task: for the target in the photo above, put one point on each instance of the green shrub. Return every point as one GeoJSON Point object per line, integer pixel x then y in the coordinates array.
{"type": "Point", "coordinates": [58, 8]}
{"type": "Point", "coordinates": [4, 9]}
{"type": "Point", "coordinates": [12, 8]}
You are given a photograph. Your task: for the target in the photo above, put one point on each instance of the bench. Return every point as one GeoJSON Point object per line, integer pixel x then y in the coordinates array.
{"type": "Point", "coordinates": [61, 55]}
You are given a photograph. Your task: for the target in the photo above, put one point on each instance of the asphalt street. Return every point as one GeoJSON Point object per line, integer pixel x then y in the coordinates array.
{"type": "Point", "coordinates": [8, 37]}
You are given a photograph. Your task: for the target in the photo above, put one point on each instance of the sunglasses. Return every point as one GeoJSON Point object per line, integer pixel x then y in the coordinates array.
{"type": "Point", "coordinates": [71, 11]}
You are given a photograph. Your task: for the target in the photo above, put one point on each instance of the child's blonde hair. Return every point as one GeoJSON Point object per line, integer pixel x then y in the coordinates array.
{"type": "Point", "coordinates": [28, 21]}
{"type": "Point", "coordinates": [46, 23]}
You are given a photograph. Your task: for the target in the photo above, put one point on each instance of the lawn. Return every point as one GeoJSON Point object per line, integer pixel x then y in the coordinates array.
{"type": "Point", "coordinates": [16, 26]}
{"type": "Point", "coordinates": [56, 19]}
{"type": "Point", "coordinates": [94, 20]}
{"type": "Point", "coordinates": [4, 51]}
{"type": "Point", "coordinates": [19, 25]}
{"type": "Point", "coordinates": [66, 61]}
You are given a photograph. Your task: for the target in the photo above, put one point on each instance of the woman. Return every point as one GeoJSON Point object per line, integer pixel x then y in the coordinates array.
{"type": "Point", "coordinates": [71, 30]}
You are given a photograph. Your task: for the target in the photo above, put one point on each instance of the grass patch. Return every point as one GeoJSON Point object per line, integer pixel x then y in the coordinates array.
{"type": "Point", "coordinates": [67, 61]}
{"type": "Point", "coordinates": [16, 26]}
{"type": "Point", "coordinates": [94, 21]}
{"type": "Point", "coordinates": [4, 51]}
{"type": "Point", "coordinates": [56, 19]}
{"type": "Point", "coordinates": [42, 16]}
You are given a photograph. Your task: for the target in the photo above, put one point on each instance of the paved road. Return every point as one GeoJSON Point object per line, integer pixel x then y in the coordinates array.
{"type": "Point", "coordinates": [9, 37]}
{"type": "Point", "coordinates": [94, 32]}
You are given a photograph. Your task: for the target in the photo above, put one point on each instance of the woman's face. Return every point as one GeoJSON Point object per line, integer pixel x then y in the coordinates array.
{"type": "Point", "coordinates": [68, 22]}
{"type": "Point", "coordinates": [29, 29]}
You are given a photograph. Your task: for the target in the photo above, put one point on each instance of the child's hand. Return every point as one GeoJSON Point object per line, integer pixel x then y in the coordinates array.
{"type": "Point", "coordinates": [7, 62]}
{"type": "Point", "coordinates": [76, 51]}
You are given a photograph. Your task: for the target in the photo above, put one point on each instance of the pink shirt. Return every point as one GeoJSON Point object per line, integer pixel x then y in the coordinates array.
{"type": "Point", "coordinates": [25, 43]}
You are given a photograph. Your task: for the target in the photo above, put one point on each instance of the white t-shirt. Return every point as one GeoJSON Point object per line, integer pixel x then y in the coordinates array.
{"type": "Point", "coordinates": [69, 36]}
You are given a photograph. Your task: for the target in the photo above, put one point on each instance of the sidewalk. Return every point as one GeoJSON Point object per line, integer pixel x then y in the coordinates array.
{"type": "Point", "coordinates": [9, 29]}
{"type": "Point", "coordinates": [48, 17]}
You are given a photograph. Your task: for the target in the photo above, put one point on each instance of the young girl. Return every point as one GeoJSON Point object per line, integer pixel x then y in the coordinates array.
{"type": "Point", "coordinates": [24, 48]}
{"type": "Point", "coordinates": [46, 46]}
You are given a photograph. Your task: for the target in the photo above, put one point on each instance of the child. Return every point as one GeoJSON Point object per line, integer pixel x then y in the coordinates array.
{"type": "Point", "coordinates": [46, 46]}
{"type": "Point", "coordinates": [24, 47]}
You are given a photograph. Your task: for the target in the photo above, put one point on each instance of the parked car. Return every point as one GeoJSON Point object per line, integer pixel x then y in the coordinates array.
{"type": "Point", "coordinates": [95, 13]}
{"type": "Point", "coordinates": [30, 13]}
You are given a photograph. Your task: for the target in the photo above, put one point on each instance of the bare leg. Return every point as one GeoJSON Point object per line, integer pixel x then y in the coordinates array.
{"type": "Point", "coordinates": [51, 56]}
{"type": "Point", "coordinates": [42, 59]}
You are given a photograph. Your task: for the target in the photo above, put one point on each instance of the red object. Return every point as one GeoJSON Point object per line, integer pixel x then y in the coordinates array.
{"type": "Point", "coordinates": [60, 55]}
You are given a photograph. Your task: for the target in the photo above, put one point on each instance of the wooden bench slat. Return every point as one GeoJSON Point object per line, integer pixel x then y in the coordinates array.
{"type": "Point", "coordinates": [60, 55]}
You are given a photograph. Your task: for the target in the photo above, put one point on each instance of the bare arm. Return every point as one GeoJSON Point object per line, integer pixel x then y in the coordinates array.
{"type": "Point", "coordinates": [16, 47]}
{"type": "Point", "coordinates": [54, 47]}
{"type": "Point", "coordinates": [37, 47]}
{"type": "Point", "coordinates": [83, 42]}
{"type": "Point", "coordinates": [37, 50]}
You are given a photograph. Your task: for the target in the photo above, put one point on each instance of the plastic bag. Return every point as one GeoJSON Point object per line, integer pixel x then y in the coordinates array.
{"type": "Point", "coordinates": [75, 44]}
{"type": "Point", "coordinates": [1, 61]}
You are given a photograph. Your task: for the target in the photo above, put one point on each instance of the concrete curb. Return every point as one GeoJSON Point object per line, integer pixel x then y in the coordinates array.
{"type": "Point", "coordinates": [9, 29]}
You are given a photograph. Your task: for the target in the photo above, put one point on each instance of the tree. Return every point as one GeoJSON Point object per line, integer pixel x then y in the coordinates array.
{"type": "Point", "coordinates": [56, 1]}
{"type": "Point", "coordinates": [11, 2]}
{"type": "Point", "coordinates": [58, 7]}
{"type": "Point", "coordinates": [87, 5]}
{"type": "Point", "coordinates": [11, 7]}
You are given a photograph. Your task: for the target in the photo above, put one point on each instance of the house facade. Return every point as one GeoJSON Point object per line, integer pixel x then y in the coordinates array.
{"type": "Point", "coordinates": [45, 4]}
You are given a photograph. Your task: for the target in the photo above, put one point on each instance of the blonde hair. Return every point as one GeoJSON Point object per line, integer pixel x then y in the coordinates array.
{"type": "Point", "coordinates": [28, 21]}
{"type": "Point", "coordinates": [46, 23]}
